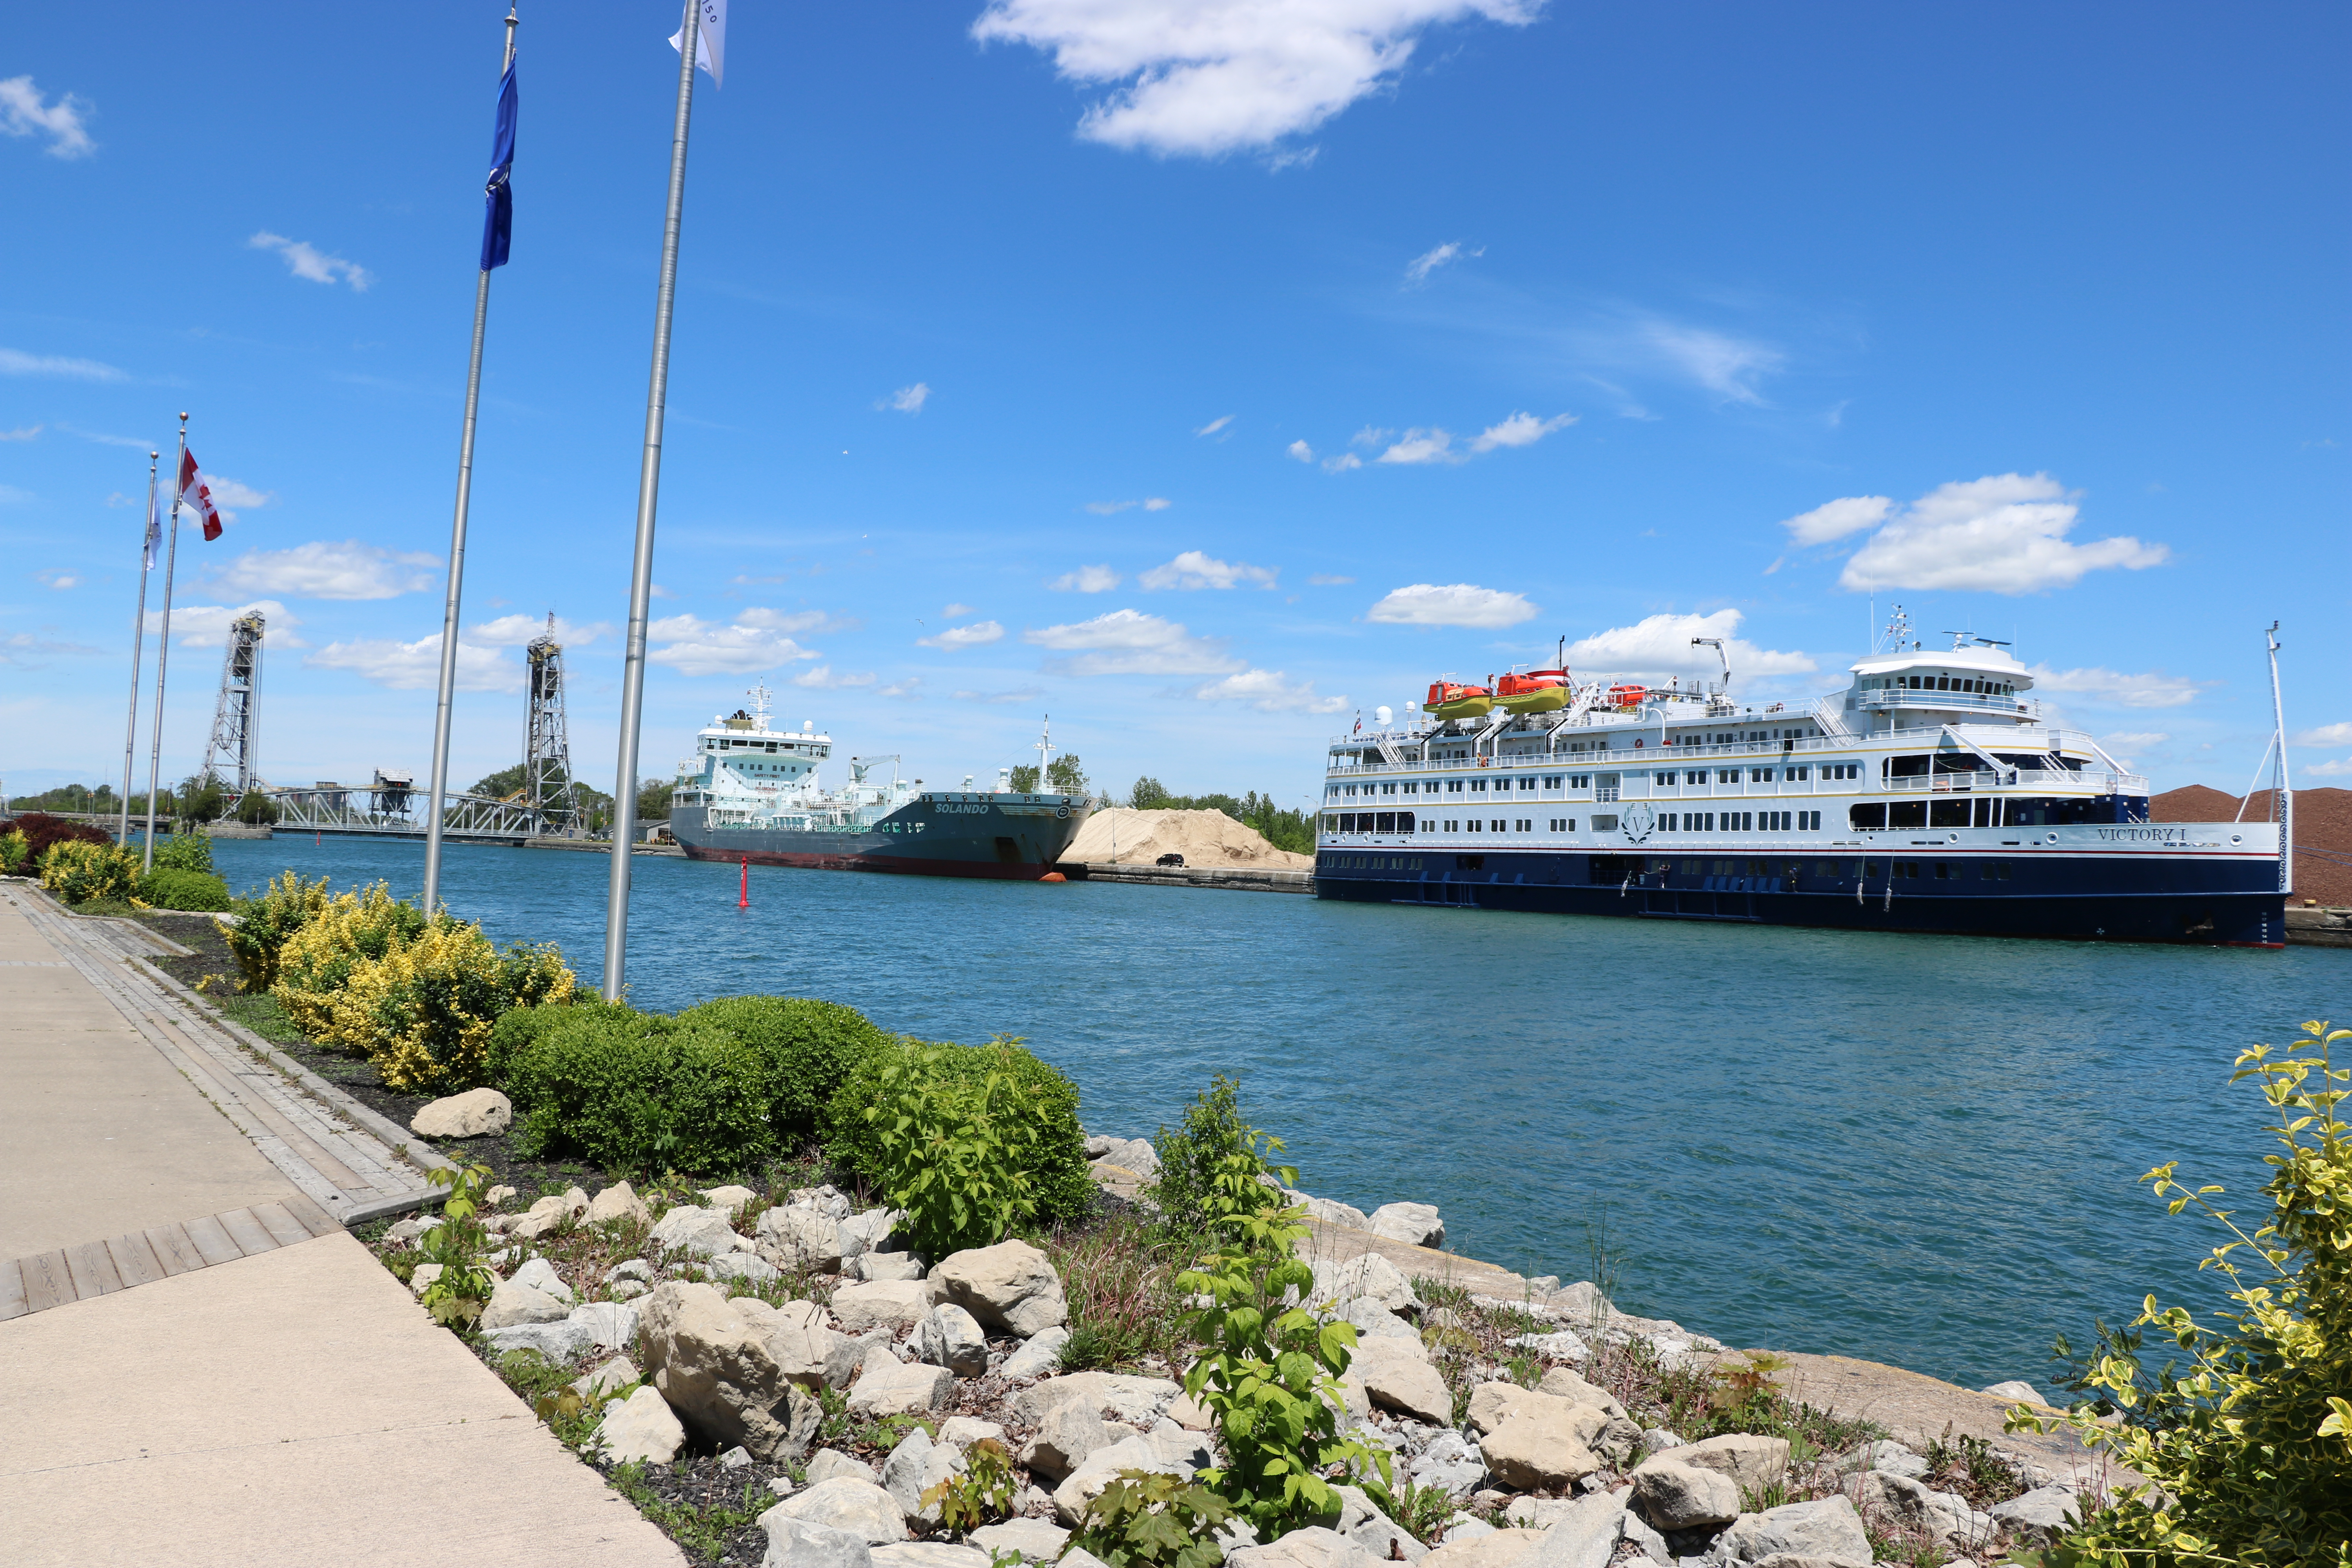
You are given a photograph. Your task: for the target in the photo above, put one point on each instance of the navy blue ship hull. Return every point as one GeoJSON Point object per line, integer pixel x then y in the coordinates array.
{"type": "Point", "coordinates": [2209, 902]}
{"type": "Point", "coordinates": [1005, 836]}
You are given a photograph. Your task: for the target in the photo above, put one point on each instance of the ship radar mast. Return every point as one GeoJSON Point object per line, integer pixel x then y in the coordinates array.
{"type": "Point", "coordinates": [1045, 754]}
{"type": "Point", "coordinates": [759, 696]}
{"type": "Point", "coordinates": [1897, 635]}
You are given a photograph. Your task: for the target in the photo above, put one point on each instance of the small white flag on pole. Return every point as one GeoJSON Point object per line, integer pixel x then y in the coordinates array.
{"type": "Point", "coordinates": [709, 40]}
{"type": "Point", "coordinates": [154, 532]}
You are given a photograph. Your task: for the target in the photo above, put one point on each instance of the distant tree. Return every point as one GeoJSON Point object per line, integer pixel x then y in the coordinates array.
{"type": "Point", "coordinates": [500, 784]}
{"type": "Point", "coordinates": [1024, 779]}
{"type": "Point", "coordinates": [1281, 826]}
{"type": "Point", "coordinates": [1066, 775]}
{"type": "Point", "coordinates": [653, 800]}
{"type": "Point", "coordinates": [256, 809]}
{"type": "Point", "coordinates": [202, 799]}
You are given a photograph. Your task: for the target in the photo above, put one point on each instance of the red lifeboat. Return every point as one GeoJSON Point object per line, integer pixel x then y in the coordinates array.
{"type": "Point", "coordinates": [1450, 699]}
{"type": "Point", "coordinates": [1533, 691]}
{"type": "Point", "coordinates": [1628, 696]}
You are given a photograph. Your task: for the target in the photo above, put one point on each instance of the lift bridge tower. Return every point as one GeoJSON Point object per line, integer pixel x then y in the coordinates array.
{"type": "Point", "coordinates": [547, 750]}
{"type": "Point", "coordinates": [233, 754]}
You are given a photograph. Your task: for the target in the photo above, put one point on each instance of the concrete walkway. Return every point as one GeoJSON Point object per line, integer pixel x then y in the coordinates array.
{"type": "Point", "coordinates": [286, 1402]}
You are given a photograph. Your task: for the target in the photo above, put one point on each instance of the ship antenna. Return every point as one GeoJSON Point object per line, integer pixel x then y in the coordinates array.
{"type": "Point", "coordinates": [759, 696]}
{"type": "Point", "coordinates": [1045, 752]}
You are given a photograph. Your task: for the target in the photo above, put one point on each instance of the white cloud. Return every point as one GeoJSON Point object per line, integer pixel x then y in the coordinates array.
{"type": "Point", "coordinates": [321, 571]}
{"type": "Point", "coordinates": [1026, 694]}
{"type": "Point", "coordinates": [661, 593]}
{"type": "Point", "coordinates": [308, 261]}
{"type": "Point", "coordinates": [25, 651]}
{"type": "Point", "coordinates": [518, 630]}
{"type": "Point", "coordinates": [59, 580]}
{"type": "Point", "coordinates": [902, 688]}
{"type": "Point", "coordinates": [1213, 425]}
{"type": "Point", "coordinates": [2004, 533]}
{"type": "Point", "coordinates": [133, 442]}
{"type": "Point", "coordinates": [977, 634]}
{"type": "Point", "coordinates": [228, 495]}
{"type": "Point", "coordinates": [954, 610]}
{"type": "Point", "coordinates": [794, 621]}
{"type": "Point", "coordinates": [2153, 689]}
{"type": "Point", "coordinates": [1209, 77]}
{"type": "Point", "coordinates": [823, 678]}
{"type": "Point", "coordinates": [1086, 580]}
{"type": "Point", "coordinates": [697, 647]}
{"type": "Point", "coordinates": [207, 625]}
{"type": "Point", "coordinates": [1325, 580]}
{"type": "Point", "coordinates": [1194, 569]}
{"type": "Point", "coordinates": [1454, 605]}
{"type": "Point", "coordinates": [1418, 269]}
{"type": "Point", "coordinates": [2326, 735]}
{"type": "Point", "coordinates": [2135, 739]}
{"type": "Point", "coordinates": [27, 434]}
{"type": "Point", "coordinates": [1300, 450]}
{"type": "Point", "coordinates": [416, 666]}
{"type": "Point", "coordinates": [2336, 768]}
{"type": "Point", "coordinates": [1724, 365]}
{"type": "Point", "coordinates": [1835, 520]}
{"type": "Point", "coordinates": [15, 362]}
{"type": "Point", "coordinates": [1520, 430]}
{"type": "Point", "coordinates": [1661, 646]}
{"type": "Point", "coordinates": [1112, 508]}
{"type": "Point", "coordinates": [1343, 463]}
{"type": "Point", "coordinates": [1269, 691]}
{"type": "Point", "coordinates": [1128, 642]}
{"type": "Point", "coordinates": [22, 113]}
{"type": "Point", "coordinates": [1430, 446]}
{"type": "Point", "coordinates": [908, 399]}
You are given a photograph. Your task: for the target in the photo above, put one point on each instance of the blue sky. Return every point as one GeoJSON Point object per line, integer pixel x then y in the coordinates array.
{"type": "Point", "coordinates": [1200, 373]}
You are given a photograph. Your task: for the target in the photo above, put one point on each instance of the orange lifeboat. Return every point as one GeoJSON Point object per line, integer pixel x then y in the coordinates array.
{"type": "Point", "coordinates": [1536, 692]}
{"type": "Point", "coordinates": [1450, 699]}
{"type": "Point", "coordinates": [1628, 696]}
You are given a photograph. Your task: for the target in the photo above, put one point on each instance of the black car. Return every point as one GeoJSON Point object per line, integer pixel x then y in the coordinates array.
{"type": "Point", "coordinates": [1170, 861]}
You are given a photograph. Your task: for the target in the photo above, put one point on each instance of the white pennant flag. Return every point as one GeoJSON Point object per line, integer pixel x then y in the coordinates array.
{"type": "Point", "coordinates": [154, 532]}
{"type": "Point", "coordinates": [709, 40]}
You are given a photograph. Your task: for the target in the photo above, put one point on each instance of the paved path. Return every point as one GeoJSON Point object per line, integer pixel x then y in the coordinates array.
{"type": "Point", "coordinates": [276, 1398]}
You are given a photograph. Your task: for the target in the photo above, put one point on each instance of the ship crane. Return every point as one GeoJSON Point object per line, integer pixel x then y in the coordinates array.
{"type": "Point", "coordinates": [1720, 698]}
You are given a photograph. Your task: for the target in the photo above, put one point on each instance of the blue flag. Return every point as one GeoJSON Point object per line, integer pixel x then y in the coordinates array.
{"type": "Point", "coordinates": [498, 218]}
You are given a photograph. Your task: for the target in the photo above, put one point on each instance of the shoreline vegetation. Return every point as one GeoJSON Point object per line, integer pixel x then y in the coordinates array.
{"type": "Point", "coordinates": [805, 1291]}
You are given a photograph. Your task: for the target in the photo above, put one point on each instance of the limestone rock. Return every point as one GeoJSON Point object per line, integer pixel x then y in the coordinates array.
{"type": "Point", "coordinates": [731, 1199]}
{"type": "Point", "coordinates": [641, 1427]}
{"type": "Point", "coordinates": [793, 1238]}
{"type": "Point", "coordinates": [845, 1503]}
{"type": "Point", "coordinates": [1361, 1522]}
{"type": "Point", "coordinates": [701, 1233]}
{"type": "Point", "coordinates": [631, 1269]}
{"type": "Point", "coordinates": [866, 1231]}
{"type": "Point", "coordinates": [538, 1274]}
{"type": "Point", "coordinates": [1135, 1154]}
{"type": "Point", "coordinates": [885, 1266]}
{"type": "Point", "coordinates": [1415, 1223]}
{"type": "Point", "coordinates": [928, 1554]}
{"type": "Point", "coordinates": [476, 1114]}
{"type": "Point", "coordinates": [2015, 1389]}
{"type": "Point", "coordinates": [1372, 1320]}
{"type": "Point", "coordinates": [1101, 1468]}
{"type": "Point", "coordinates": [712, 1362]}
{"type": "Point", "coordinates": [1944, 1517]}
{"type": "Point", "coordinates": [2041, 1515]}
{"type": "Point", "coordinates": [1488, 1549]}
{"type": "Point", "coordinates": [796, 1544]}
{"type": "Point", "coordinates": [891, 1303]}
{"type": "Point", "coordinates": [616, 1202]}
{"type": "Point", "coordinates": [1828, 1529]}
{"type": "Point", "coordinates": [901, 1390]}
{"type": "Point", "coordinates": [1369, 1275]}
{"type": "Point", "coordinates": [1314, 1547]}
{"type": "Point", "coordinates": [1560, 1345]}
{"type": "Point", "coordinates": [1190, 1414]}
{"type": "Point", "coordinates": [1011, 1286]}
{"type": "Point", "coordinates": [1397, 1376]}
{"type": "Point", "coordinates": [827, 1200]}
{"type": "Point", "coordinates": [512, 1303]}
{"type": "Point", "coordinates": [805, 1349]}
{"type": "Point", "coordinates": [1040, 1356]}
{"type": "Point", "coordinates": [608, 1379]}
{"type": "Point", "coordinates": [961, 1432]}
{"type": "Point", "coordinates": [748, 1266]}
{"type": "Point", "coordinates": [1136, 1399]}
{"type": "Point", "coordinates": [1035, 1540]}
{"type": "Point", "coordinates": [913, 1467]}
{"type": "Point", "coordinates": [1069, 1433]}
{"type": "Point", "coordinates": [827, 1464]}
{"type": "Point", "coordinates": [598, 1324]}
{"type": "Point", "coordinates": [1752, 1462]}
{"type": "Point", "coordinates": [548, 1213]}
{"type": "Point", "coordinates": [952, 1338]}
{"type": "Point", "coordinates": [1586, 1536]}
{"type": "Point", "coordinates": [497, 1194]}
{"type": "Point", "coordinates": [1679, 1496]}
{"type": "Point", "coordinates": [1562, 1384]}
{"type": "Point", "coordinates": [1884, 1455]}
{"type": "Point", "coordinates": [424, 1275]}
{"type": "Point", "coordinates": [1330, 1211]}
{"type": "Point", "coordinates": [1544, 1446]}
{"type": "Point", "coordinates": [1638, 1531]}
{"type": "Point", "coordinates": [1450, 1466]}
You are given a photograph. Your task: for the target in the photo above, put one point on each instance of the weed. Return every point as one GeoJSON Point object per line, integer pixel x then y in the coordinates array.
{"type": "Point", "coordinates": [979, 1494]}
{"type": "Point", "coordinates": [1146, 1520]}
{"type": "Point", "coordinates": [1970, 1467]}
{"type": "Point", "coordinates": [705, 1531]}
{"type": "Point", "coordinates": [1422, 1512]}
{"type": "Point", "coordinates": [1120, 1277]}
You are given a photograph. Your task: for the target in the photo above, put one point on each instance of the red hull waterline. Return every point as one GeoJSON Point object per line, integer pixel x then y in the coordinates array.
{"type": "Point", "coordinates": [997, 871]}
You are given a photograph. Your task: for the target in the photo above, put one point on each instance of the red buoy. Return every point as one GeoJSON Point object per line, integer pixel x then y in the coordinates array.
{"type": "Point", "coordinates": [744, 902]}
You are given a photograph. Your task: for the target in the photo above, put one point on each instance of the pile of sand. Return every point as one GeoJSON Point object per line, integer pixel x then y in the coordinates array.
{"type": "Point", "coordinates": [1205, 839]}
{"type": "Point", "coordinates": [2323, 821]}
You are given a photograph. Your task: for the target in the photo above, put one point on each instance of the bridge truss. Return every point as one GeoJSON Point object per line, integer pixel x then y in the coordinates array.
{"type": "Point", "coordinates": [476, 818]}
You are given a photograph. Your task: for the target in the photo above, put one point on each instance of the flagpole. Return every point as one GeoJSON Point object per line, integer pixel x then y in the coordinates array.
{"type": "Point", "coordinates": [641, 576]}
{"type": "Point", "coordinates": [138, 651]}
{"type": "Point", "coordinates": [163, 648]}
{"type": "Point", "coordinates": [431, 899]}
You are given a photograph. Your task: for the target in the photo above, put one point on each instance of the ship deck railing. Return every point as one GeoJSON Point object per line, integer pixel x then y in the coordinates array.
{"type": "Point", "coordinates": [1639, 786]}
{"type": "Point", "coordinates": [2024, 739]}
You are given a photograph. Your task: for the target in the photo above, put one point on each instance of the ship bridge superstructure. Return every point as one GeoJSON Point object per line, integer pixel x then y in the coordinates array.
{"type": "Point", "coordinates": [746, 773]}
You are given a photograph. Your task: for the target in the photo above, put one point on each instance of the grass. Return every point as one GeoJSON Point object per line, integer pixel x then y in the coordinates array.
{"type": "Point", "coordinates": [1469, 1341]}
{"type": "Point", "coordinates": [262, 1015]}
{"type": "Point", "coordinates": [703, 1530]}
{"type": "Point", "coordinates": [1119, 1272]}
{"type": "Point", "coordinates": [1970, 1467]}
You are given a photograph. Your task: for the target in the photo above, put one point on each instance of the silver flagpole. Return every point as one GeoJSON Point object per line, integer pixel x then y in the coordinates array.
{"type": "Point", "coordinates": [641, 576]}
{"type": "Point", "coordinates": [164, 648]}
{"type": "Point", "coordinates": [138, 650]}
{"type": "Point", "coordinates": [431, 900]}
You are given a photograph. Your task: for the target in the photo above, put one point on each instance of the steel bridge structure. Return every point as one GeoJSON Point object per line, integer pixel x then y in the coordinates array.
{"type": "Point", "coordinates": [473, 818]}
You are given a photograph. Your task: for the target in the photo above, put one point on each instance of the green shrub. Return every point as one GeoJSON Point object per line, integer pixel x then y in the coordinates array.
{"type": "Point", "coordinates": [1056, 1162]}
{"type": "Point", "coordinates": [80, 872]}
{"type": "Point", "coordinates": [15, 849]}
{"type": "Point", "coordinates": [424, 1011]}
{"type": "Point", "coordinates": [1193, 1158]}
{"type": "Point", "coordinates": [1147, 1520]}
{"type": "Point", "coordinates": [177, 890]}
{"type": "Point", "coordinates": [519, 1028]}
{"type": "Point", "coordinates": [955, 1152]}
{"type": "Point", "coordinates": [185, 852]}
{"type": "Point", "coordinates": [266, 923]}
{"type": "Point", "coordinates": [317, 962]}
{"type": "Point", "coordinates": [2254, 1444]}
{"type": "Point", "coordinates": [636, 1092]}
{"type": "Point", "coordinates": [811, 1050]}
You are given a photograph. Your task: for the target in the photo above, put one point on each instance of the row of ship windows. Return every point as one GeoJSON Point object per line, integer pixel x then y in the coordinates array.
{"type": "Point", "coordinates": [1981, 811]}
{"type": "Point", "coordinates": [1899, 870]}
{"type": "Point", "coordinates": [1674, 778]}
{"type": "Point", "coordinates": [1668, 822]}
{"type": "Point", "coordinates": [1939, 683]}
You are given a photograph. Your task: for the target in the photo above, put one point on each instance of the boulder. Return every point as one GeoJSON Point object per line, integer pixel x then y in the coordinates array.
{"type": "Point", "coordinates": [512, 1303]}
{"type": "Point", "coordinates": [1488, 1549]}
{"type": "Point", "coordinates": [1883, 1454]}
{"type": "Point", "coordinates": [913, 1467]}
{"type": "Point", "coordinates": [476, 1114]}
{"type": "Point", "coordinates": [884, 1266]}
{"type": "Point", "coordinates": [1372, 1320]}
{"type": "Point", "coordinates": [1585, 1536]}
{"type": "Point", "coordinates": [748, 1266]}
{"type": "Point", "coordinates": [538, 1274]}
{"type": "Point", "coordinates": [701, 1233]}
{"type": "Point", "coordinates": [711, 1361]}
{"type": "Point", "coordinates": [827, 1464]}
{"type": "Point", "coordinates": [901, 1390]}
{"type": "Point", "coordinates": [861, 1509]}
{"type": "Point", "coordinates": [1361, 1522]}
{"type": "Point", "coordinates": [827, 1200]}
{"type": "Point", "coordinates": [641, 1427]}
{"type": "Point", "coordinates": [1039, 1356]}
{"type": "Point", "coordinates": [928, 1554]}
{"type": "Point", "coordinates": [1069, 1433]}
{"type": "Point", "coordinates": [1034, 1539]}
{"type": "Point", "coordinates": [1137, 1399]}
{"type": "Point", "coordinates": [608, 1379]}
{"type": "Point", "coordinates": [1397, 1376]}
{"type": "Point", "coordinates": [423, 1275]}
{"type": "Point", "coordinates": [1562, 1384]}
{"type": "Point", "coordinates": [1944, 1517]}
{"type": "Point", "coordinates": [1135, 1154]}
{"type": "Point", "coordinates": [1190, 1414]}
{"type": "Point", "coordinates": [631, 1269]}
{"type": "Point", "coordinates": [1637, 1532]}
{"type": "Point", "coordinates": [961, 1432]}
{"type": "Point", "coordinates": [1450, 1466]}
{"type": "Point", "coordinates": [2041, 1515]}
{"type": "Point", "coordinates": [1188, 1451]}
{"type": "Point", "coordinates": [1011, 1286]}
{"type": "Point", "coordinates": [1830, 1530]}
{"type": "Point", "coordinates": [1752, 1462]}
{"type": "Point", "coordinates": [616, 1202]}
{"type": "Point", "coordinates": [866, 1232]}
{"type": "Point", "coordinates": [1101, 1468]}
{"type": "Point", "coordinates": [796, 1544]}
{"type": "Point", "coordinates": [1330, 1211]}
{"type": "Point", "coordinates": [732, 1199]}
{"type": "Point", "coordinates": [1369, 1275]}
{"type": "Point", "coordinates": [597, 1325]}
{"type": "Point", "coordinates": [548, 1213]}
{"type": "Point", "coordinates": [805, 1349]}
{"type": "Point", "coordinates": [2016, 1389]}
{"type": "Point", "coordinates": [1314, 1547]}
{"type": "Point", "coordinates": [800, 1238]}
{"type": "Point", "coordinates": [1544, 1446]}
{"type": "Point", "coordinates": [1415, 1223]}
{"type": "Point", "coordinates": [889, 1303]}
{"type": "Point", "coordinates": [1679, 1496]}
{"type": "Point", "coordinates": [951, 1338]}
{"type": "Point", "coordinates": [1560, 1345]}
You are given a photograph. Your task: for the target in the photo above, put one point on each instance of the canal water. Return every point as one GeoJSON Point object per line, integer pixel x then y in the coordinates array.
{"type": "Point", "coordinates": [1915, 1149]}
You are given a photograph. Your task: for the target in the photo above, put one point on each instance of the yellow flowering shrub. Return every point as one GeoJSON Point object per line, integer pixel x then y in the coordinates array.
{"type": "Point", "coordinates": [424, 1011]}
{"type": "Point", "coordinates": [266, 923]}
{"type": "Point", "coordinates": [79, 872]}
{"type": "Point", "coordinates": [318, 961]}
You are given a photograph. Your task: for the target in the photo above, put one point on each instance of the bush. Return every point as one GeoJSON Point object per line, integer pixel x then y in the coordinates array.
{"type": "Point", "coordinates": [317, 961]}
{"type": "Point", "coordinates": [16, 853]}
{"type": "Point", "coordinates": [1147, 1520]}
{"type": "Point", "coordinates": [423, 1012]}
{"type": "Point", "coordinates": [168, 888]}
{"type": "Point", "coordinates": [519, 1028]}
{"type": "Point", "coordinates": [185, 852]}
{"type": "Point", "coordinates": [1192, 1159]}
{"type": "Point", "coordinates": [267, 923]}
{"type": "Point", "coordinates": [79, 871]}
{"type": "Point", "coordinates": [42, 831]}
{"type": "Point", "coordinates": [2254, 1444]}
{"type": "Point", "coordinates": [955, 1152]}
{"type": "Point", "coordinates": [1056, 1164]}
{"type": "Point", "coordinates": [636, 1091]}
{"type": "Point", "coordinates": [811, 1048]}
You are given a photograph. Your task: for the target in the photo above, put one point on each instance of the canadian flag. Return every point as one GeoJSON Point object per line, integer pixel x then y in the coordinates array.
{"type": "Point", "coordinates": [196, 493]}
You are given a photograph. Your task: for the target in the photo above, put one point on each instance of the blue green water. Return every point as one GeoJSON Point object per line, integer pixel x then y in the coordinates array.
{"type": "Point", "coordinates": [1915, 1149]}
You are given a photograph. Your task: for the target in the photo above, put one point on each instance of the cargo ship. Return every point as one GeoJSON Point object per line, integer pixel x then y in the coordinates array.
{"type": "Point", "coordinates": [753, 793]}
{"type": "Point", "coordinates": [1931, 795]}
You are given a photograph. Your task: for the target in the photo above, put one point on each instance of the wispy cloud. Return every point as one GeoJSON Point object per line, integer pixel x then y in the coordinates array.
{"type": "Point", "coordinates": [1323, 580]}
{"type": "Point", "coordinates": [321, 571]}
{"type": "Point", "coordinates": [1269, 691]}
{"type": "Point", "coordinates": [25, 113]}
{"type": "Point", "coordinates": [1724, 364]}
{"type": "Point", "coordinates": [822, 679]}
{"type": "Point", "coordinates": [27, 434]}
{"type": "Point", "coordinates": [135, 443]}
{"type": "Point", "coordinates": [908, 399]}
{"type": "Point", "coordinates": [1113, 508]}
{"type": "Point", "coordinates": [1128, 642]}
{"type": "Point", "coordinates": [1451, 604]}
{"type": "Point", "coordinates": [58, 580]}
{"type": "Point", "coordinates": [2004, 533]}
{"type": "Point", "coordinates": [1197, 568]}
{"type": "Point", "coordinates": [308, 261]}
{"type": "Point", "coordinates": [520, 631]}
{"type": "Point", "coordinates": [977, 634]}
{"type": "Point", "coordinates": [14, 362]}
{"type": "Point", "coordinates": [1418, 269]}
{"type": "Point", "coordinates": [2152, 689]}
{"type": "Point", "coordinates": [1086, 580]}
{"type": "Point", "coordinates": [416, 665]}
{"type": "Point", "coordinates": [1213, 425]}
{"type": "Point", "coordinates": [25, 651]}
{"type": "Point", "coordinates": [692, 646]}
{"type": "Point", "coordinates": [2326, 735]}
{"type": "Point", "coordinates": [1007, 699]}
{"type": "Point", "coordinates": [1519, 430]}
{"type": "Point", "coordinates": [1300, 450]}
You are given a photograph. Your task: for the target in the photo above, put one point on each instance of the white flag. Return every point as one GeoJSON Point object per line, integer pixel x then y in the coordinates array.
{"type": "Point", "coordinates": [154, 531]}
{"type": "Point", "coordinates": [709, 40]}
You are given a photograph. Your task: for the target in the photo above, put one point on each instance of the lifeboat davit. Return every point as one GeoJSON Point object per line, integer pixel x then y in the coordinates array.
{"type": "Point", "coordinates": [1628, 696]}
{"type": "Point", "coordinates": [1448, 699]}
{"type": "Point", "coordinates": [1536, 691]}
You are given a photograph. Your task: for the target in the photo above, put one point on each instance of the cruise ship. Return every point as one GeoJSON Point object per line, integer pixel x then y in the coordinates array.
{"type": "Point", "coordinates": [752, 793]}
{"type": "Point", "coordinates": [1931, 795]}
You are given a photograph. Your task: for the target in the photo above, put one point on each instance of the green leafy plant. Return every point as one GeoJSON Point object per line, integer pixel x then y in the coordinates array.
{"type": "Point", "coordinates": [82, 873]}
{"type": "Point", "coordinates": [1144, 1520]}
{"type": "Point", "coordinates": [979, 1494]}
{"type": "Point", "coordinates": [167, 888]}
{"type": "Point", "coordinates": [185, 852]}
{"type": "Point", "coordinates": [458, 1293]}
{"type": "Point", "coordinates": [266, 923]}
{"type": "Point", "coordinates": [1424, 1513]}
{"type": "Point", "coordinates": [16, 851]}
{"type": "Point", "coordinates": [1195, 1204]}
{"type": "Point", "coordinates": [954, 1152]}
{"type": "Point", "coordinates": [636, 1091]}
{"type": "Point", "coordinates": [811, 1048]}
{"type": "Point", "coordinates": [2252, 1441]}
